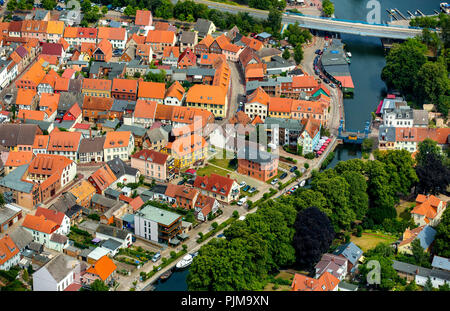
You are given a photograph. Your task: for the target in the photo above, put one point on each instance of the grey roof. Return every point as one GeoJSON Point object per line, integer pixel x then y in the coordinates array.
{"type": "Point", "coordinates": [290, 124]}
{"type": "Point", "coordinates": [112, 231]}
{"type": "Point", "coordinates": [386, 133]}
{"type": "Point", "coordinates": [159, 189]}
{"type": "Point", "coordinates": [264, 35]}
{"type": "Point", "coordinates": [348, 286]}
{"type": "Point", "coordinates": [200, 71]}
{"type": "Point", "coordinates": [111, 244]}
{"type": "Point", "coordinates": [264, 52]}
{"type": "Point", "coordinates": [421, 271]}
{"type": "Point", "coordinates": [255, 155]}
{"type": "Point", "coordinates": [95, 144]}
{"type": "Point", "coordinates": [420, 117]}
{"type": "Point", "coordinates": [157, 134]}
{"type": "Point", "coordinates": [119, 168]}
{"type": "Point", "coordinates": [104, 201]}
{"type": "Point", "coordinates": [6, 213]}
{"type": "Point", "coordinates": [120, 105]}
{"type": "Point", "coordinates": [64, 202]}
{"type": "Point", "coordinates": [67, 100]}
{"type": "Point", "coordinates": [441, 263]}
{"type": "Point", "coordinates": [12, 135]}
{"type": "Point", "coordinates": [135, 129]}
{"type": "Point", "coordinates": [64, 124]}
{"type": "Point", "coordinates": [75, 86]}
{"type": "Point", "coordinates": [187, 37]}
{"type": "Point", "coordinates": [253, 85]}
{"type": "Point", "coordinates": [337, 70]}
{"type": "Point", "coordinates": [43, 125]}
{"type": "Point", "coordinates": [349, 251]}
{"type": "Point", "coordinates": [279, 62]}
{"type": "Point", "coordinates": [21, 237]}
{"type": "Point", "coordinates": [115, 68]}
{"type": "Point", "coordinates": [58, 238]}
{"type": "Point", "coordinates": [111, 193]}
{"type": "Point", "coordinates": [158, 215]}
{"type": "Point", "coordinates": [202, 26]}
{"type": "Point", "coordinates": [115, 24]}
{"type": "Point", "coordinates": [37, 247]}
{"type": "Point", "coordinates": [334, 54]}
{"type": "Point", "coordinates": [179, 76]}
{"type": "Point", "coordinates": [59, 267]}
{"type": "Point", "coordinates": [111, 123]}
{"type": "Point", "coordinates": [14, 180]}
{"type": "Point", "coordinates": [331, 263]}
{"type": "Point", "coordinates": [426, 236]}
{"type": "Point", "coordinates": [85, 252]}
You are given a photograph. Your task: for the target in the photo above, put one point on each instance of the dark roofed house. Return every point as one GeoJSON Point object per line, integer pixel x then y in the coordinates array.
{"type": "Point", "coordinates": [111, 245]}
{"type": "Point", "coordinates": [105, 232]}
{"type": "Point", "coordinates": [334, 264]}
{"type": "Point", "coordinates": [420, 274]}
{"type": "Point", "coordinates": [204, 27]}
{"type": "Point", "coordinates": [91, 149]}
{"type": "Point", "coordinates": [441, 263]}
{"type": "Point", "coordinates": [351, 252]}
{"type": "Point", "coordinates": [20, 136]}
{"type": "Point", "coordinates": [123, 172]}
{"type": "Point", "coordinates": [21, 237]}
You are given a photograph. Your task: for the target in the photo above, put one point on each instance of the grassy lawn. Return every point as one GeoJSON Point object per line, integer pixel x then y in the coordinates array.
{"type": "Point", "coordinates": [403, 209]}
{"type": "Point", "coordinates": [248, 194]}
{"type": "Point", "coordinates": [284, 165]}
{"type": "Point", "coordinates": [284, 275]}
{"type": "Point", "coordinates": [370, 240]}
{"type": "Point", "coordinates": [207, 170]}
{"type": "Point", "coordinates": [224, 163]}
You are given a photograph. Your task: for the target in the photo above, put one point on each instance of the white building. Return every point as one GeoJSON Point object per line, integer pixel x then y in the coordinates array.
{"type": "Point", "coordinates": [118, 145]}
{"type": "Point", "coordinates": [105, 232]}
{"type": "Point", "coordinates": [57, 274]}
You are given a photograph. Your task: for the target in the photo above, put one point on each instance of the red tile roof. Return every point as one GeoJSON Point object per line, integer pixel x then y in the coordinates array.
{"type": "Point", "coordinates": [326, 282]}
{"type": "Point", "coordinates": [8, 249]}
{"type": "Point", "coordinates": [151, 156]}
{"type": "Point", "coordinates": [218, 184]}
{"type": "Point", "coordinates": [103, 268]}
{"type": "Point", "coordinates": [40, 223]}
{"type": "Point", "coordinates": [55, 216]}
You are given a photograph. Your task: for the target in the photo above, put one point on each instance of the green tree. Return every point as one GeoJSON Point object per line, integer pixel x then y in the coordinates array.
{"type": "Point", "coordinates": [403, 64]}
{"type": "Point", "coordinates": [298, 54]}
{"type": "Point", "coordinates": [274, 20]}
{"type": "Point", "coordinates": [104, 10]}
{"type": "Point", "coordinates": [328, 7]}
{"type": "Point", "coordinates": [358, 193]}
{"type": "Point", "coordinates": [12, 5]}
{"type": "Point", "coordinates": [433, 81]}
{"type": "Point", "coordinates": [130, 11]}
{"type": "Point", "coordinates": [2, 200]}
{"type": "Point", "coordinates": [428, 287]}
{"type": "Point", "coordinates": [419, 254]}
{"type": "Point", "coordinates": [165, 9]}
{"type": "Point", "coordinates": [286, 54]}
{"type": "Point", "coordinates": [99, 286]}
{"type": "Point", "coordinates": [441, 245]}
{"type": "Point", "coordinates": [425, 147]}
{"type": "Point", "coordinates": [49, 4]}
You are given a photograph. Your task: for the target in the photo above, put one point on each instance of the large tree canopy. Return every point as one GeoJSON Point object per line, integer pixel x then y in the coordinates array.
{"type": "Point", "coordinates": [313, 236]}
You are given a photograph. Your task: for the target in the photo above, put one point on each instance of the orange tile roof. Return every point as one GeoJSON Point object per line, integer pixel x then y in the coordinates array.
{"type": "Point", "coordinates": [98, 103]}
{"type": "Point", "coordinates": [151, 90]}
{"type": "Point", "coordinates": [209, 58]}
{"type": "Point", "coordinates": [34, 26]}
{"type": "Point", "coordinates": [168, 50]}
{"type": "Point", "coordinates": [103, 268]}
{"type": "Point", "coordinates": [226, 45]}
{"type": "Point", "coordinates": [326, 282]}
{"type": "Point", "coordinates": [83, 190]}
{"type": "Point", "coordinates": [208, 40]}
{"type": "Point", "coordinates": [103, 177]}
{"type": "Point", "coordinates": [427, 206]}
{"type": "Point", "coordinates": [64, 141]}
{"type": "Point", "coordinates": [259, 96]}
{"type": "Point", "coordinates": [35, 73]}
{"type": "Point", "coordinates": [346, 81]}
{"type": "Point", "coordinates": [308, 106]}
{"type": "Point", "coordinates": [252, 43]}
{"type": "Point", "coordinates": [421, 198]}
{"type": "Point", "coordinates": [124, 85]}
{"type": "Point", "coordinates": [257, 120]}
{"type": "Point", "coordinates": [175, 90]}
{"type": "Point", "coordinates": [41, 141]}
{"type": "Point", "coordinates": [40, 223]}
{"type": "Point", "coordinates": [222, 75]}
{"type": "Point", "coordinates": [53, 215]}
{"type": "Point", "coordinates": [48, 164]}
{"type": "Point", "coordinates": [240, 118]}
{"type": "Point", "coordinates": [62, 84]}
{"type": "Point", "coordinates": [97, 84]}
{"type": "Point", "coordinates": [117, 139]}
{"type": "Point", "coordinates": [8, 249]}
{"type": "Point", "coordinates": [26, 114]}
{"type": "Point", "coordinates": [160, 36]}
{"type": "Point", "coordinates": [50, 78]}
{"type": "Point", "coordinates": [255, 70]}
{"type": "Point", "coordinates": [111, 33]}
{"type": "Point", "coordinates": [51, 59]}
{"type": "Point", "coordinates": [143, 18]}
{"type": "Point", "coordinates": [145, 109]}
{"type": "Point", "coordinates": [80, 32]}
{"type": "Point", "coordinates": [137, 203]}
{"type": "Point", "coordinates": [206, 94]}
{"type": "Point", "coordinates": [137, 38]}
{"type": "Point", "coordinates": [106, 48]}
{"type": "Point", "coordinates": [49, 100]}
{"type": "Point", "coordinates": [87, 48]}
{"type": "Point", "coordinates": [311, 126]}
{"type": "Point", "coordinates": [55, 27]}
{"type": "Point", "coordinates": [188, 144]}
{"type": "Point", "coordinates": [18, 158]}
{"type": "Point", "coordinates": [64, 43]}
{"type": "Point", "coordinates": [278, 104]}
{"type": "Point", "coordinates": [410, 235]}
{"type": "Point", "coordinates": [304, 82]}
{"type": "Point", "coordinates": [418, 134]}
{"type": "Point", "coordinates": [25, 97]}
{"type": "Point", "coordinates": [215, 183]}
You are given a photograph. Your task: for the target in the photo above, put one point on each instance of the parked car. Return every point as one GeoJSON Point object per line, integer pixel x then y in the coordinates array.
{"type": "Point", "coordinates": [326, 81]}
{"type": "Point", "coordinates": [242, 201]}
{"type": "Point", "coordinates": [246, 188]}
{"type": "Point", "coordinates": [273, 182]}
{"type": "Point", "coordinates": [242, 184]}
{"type": "Point", "coordinates": [156, 257]}
{"type": "Point", "coordinates": [320, 76]}
{"type": "Point", "coordinates": [317, 51]}
{"type": "Point", "coordinates": [252, 190]}
{"type": "Point", "coordinates": [283, 176]}
{"type": "Point", "coordinates": [181, 182]}
{"type": "Point", "coordinates": [293, 169]}
{"type": "Point", "coordinates": [221, 235]}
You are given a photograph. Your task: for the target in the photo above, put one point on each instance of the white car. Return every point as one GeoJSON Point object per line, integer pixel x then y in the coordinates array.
{"type": "Point", "coordinates": [273, 182]}
{"type": "Point", "coordinates": [242, 201]}
{"type": "Point", "coordinates": [242, 184]}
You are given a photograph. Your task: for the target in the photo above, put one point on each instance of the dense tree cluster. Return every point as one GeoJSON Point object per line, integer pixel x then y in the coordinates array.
{"type": "Point", "coordinates": [253, 248]}
{"type": "Point", "coordinates": [313, 236]}
{"type": "Point", "coordinates": [441, 245]}
{"type": "Point", "coordinates": [328, 7]}
{"type": "Point", "coordinates": [409, 71]}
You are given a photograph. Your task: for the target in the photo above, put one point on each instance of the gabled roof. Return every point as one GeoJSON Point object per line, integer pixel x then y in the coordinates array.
{"type": "Point", "coordinates": [160, 36]}
{"type": "Point", "coordinates": [311, 126]}
{"type": "Point", "coordinates": [104, 267]}
{"type": "Point", "coordinates": [151, 156]}
{"type": "Point", "coordinates": [111, 33]}
{"type": "Point", "coordinates": [145, 109]}
{"type": "Point", "coordinates": [120, 168]}
{"type": "Point", "coordinates": [171, 51]}
{"type": "Point", "coordinates": [112, 231]}
{"type": "Point", "coordinates": [349, 251]}
{"type": "Point", "coordinates": [215, 183]}
{"type": "Point", "coordinates": [18, 158]}
{"type": "Point", "coordinates": [48, 164]}
{"type": "Point", "coordinates": [64, 141]}
{"type": "Point", "coordinates": [188, 144]}
{"type": "Point", "coordinates": [103, 177]}
{"type": "Point", "coordinates": [8, 249]}
{"type": "Point", "coordinates": [208, 40]}
{"type": "Point", "coordinates": [427, 207]}
{"type": "Point", "coordinates": [441, 263]}
{"type": "Point", "coordinates": [326, 282]}
{"type": "Point", "coordinates": [175, 90]}
{"type": "Point", "coordinates": [206, 94]}
{"type": "Point", "coordinates": [40, 223]}
{"type": "Point", "coordinates": [59, 267]}
{"type": "Point", "coordinates": [98, 103]}
{"type": "Point", "coordinates": [425, 234]}
{"type": "Point", "coordinates": [25, 97]}
{"type": "Point", "coordinates": [12, 135]}
{"type": "Point", "coordinates": [117, 139]}
{"type": "Point", "coordinates": [124, 85]}
{"type": "Point", "coordinates": [259, 96]}
{"type": "Point", "coordinates": [143, 18]}
{"type": "Point", "coordinates": [151, 90]}
{"type": "Point", "coordinates": [52, 49]}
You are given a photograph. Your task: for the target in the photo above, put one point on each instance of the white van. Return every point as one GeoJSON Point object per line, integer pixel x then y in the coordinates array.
{"type": "Point", "coordinates": [242, 201]}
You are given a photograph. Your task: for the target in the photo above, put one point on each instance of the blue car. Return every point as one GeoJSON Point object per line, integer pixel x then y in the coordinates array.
{"type": "Point", "coordinates": [246, 188]}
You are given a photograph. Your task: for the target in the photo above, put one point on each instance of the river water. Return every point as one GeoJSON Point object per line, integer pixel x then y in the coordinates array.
{"type": "Point", "coordinates": [366, 65]}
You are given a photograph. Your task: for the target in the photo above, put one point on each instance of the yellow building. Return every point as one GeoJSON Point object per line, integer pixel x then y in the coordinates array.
{"type": "Point", "coordinates": [84, 193]}
{"type": "Point", "coordinates": [210, 97]}
{"type": "Point", "coordinates": [55, 31]}
{"type": "Point", "coordinates": [187, 150]}
{"type": "Point", "coordinates": [97, 87]}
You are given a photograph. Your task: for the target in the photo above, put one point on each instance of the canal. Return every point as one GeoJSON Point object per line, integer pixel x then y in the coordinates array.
{"type": "Point", "coordinates": [366, 64]}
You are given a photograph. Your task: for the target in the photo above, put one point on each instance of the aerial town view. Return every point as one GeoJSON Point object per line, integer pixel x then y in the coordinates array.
{"type": "Point", "coordinates": [224, 145]}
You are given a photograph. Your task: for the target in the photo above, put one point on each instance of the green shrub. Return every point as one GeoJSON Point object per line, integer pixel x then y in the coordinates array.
{"type": "Point", "coordinates": [310, 155]}
{"type": "Point", "coordinates": [306, 165]}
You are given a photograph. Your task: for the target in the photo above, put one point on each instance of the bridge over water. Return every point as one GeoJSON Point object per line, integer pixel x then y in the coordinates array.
{"type": "Point", "coordinates": [332, 25]}
{"type": "Point", "coordinates": [353, 137]}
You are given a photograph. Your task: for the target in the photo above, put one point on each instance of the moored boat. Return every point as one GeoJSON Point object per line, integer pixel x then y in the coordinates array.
{"type": "Point", "coordinates": [185, 262]}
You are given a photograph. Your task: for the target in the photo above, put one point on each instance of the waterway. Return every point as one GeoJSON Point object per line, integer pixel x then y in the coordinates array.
{"type": "Point", "coordinates": [366, 64]}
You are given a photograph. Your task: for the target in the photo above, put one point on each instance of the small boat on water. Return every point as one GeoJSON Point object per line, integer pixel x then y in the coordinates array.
{"type": "Point", "coordinates": [165, 275]}
{"type": "Point", "coordinates": [349, 54]}
{"type": "Point", "coordinates": [348, 60]}
{"type": "Point", "coordinates": [185, 262]}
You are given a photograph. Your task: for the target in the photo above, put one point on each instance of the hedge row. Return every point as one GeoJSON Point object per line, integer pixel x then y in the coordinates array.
{"type": "Point", "coordinates": [214, 231]}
